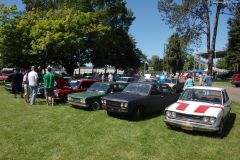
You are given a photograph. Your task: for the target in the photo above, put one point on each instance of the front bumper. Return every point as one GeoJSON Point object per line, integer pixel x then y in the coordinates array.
{"type": "Point", "coordinates": [191, 125]}
{"type": "Point", "coordinates": [118, 110]}
{"type": "Point", "coordinates": [79, 104]}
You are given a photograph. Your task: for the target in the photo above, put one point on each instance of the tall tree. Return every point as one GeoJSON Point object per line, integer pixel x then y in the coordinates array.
{"type": "Point", "coordinates": [174, 58]}
{"type": "Point", "coordinates": [156, 63]}
{"type": "Point", "coordinates": [233, 50]}
{"type": "Point", "coordinates": [189, 62]}
{"type": "Point", "coordinates": [192, 19]}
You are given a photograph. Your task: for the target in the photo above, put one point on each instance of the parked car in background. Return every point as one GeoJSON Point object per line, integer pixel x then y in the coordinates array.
{"type": "Point", "coordinates": [140, 98]}
{"type": "Point", "coordinates": [125, 79]}
{"type": "Point", "coordinates": [5, 72]}
{"type": "Point", "coordinates": [78, 85]}
{"type": "Point", "coordinates": [175, 84]}
{"type": "Point", "coordinates": [236, 80]}
{"type": "Point", "coordinates": [200, 108]}
{"type": "Point", "coordinates": [92, 97]}
{"type": "Point", "coordinates": [227, 75]}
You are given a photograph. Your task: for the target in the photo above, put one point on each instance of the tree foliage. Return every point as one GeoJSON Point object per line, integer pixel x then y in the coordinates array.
{"type": "Point", "coordinates": [189, 62]}
{"type": "Point", "coordinates": [156, 63]}
{"type": "Point", "coordinates": [67, 32]}
{"type": "Point", "coordinates": [233, 50]}
{"type": "Point", "coordinates": [191, 18]}
{"type": "Point", "coordinates": [175, 55]}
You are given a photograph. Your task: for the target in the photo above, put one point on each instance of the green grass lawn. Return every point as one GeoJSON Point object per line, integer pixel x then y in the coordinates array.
{"type": "Point", "coordinates": [65, 133]}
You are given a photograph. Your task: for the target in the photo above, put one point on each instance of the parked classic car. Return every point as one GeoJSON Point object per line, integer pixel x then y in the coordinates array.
{"type": "Point", "coordinates": [79, 85]}
{"type": "Point", "coordinates": [125, 79]}
{"type": "Point", "coordinates": [140, 98]}
{"type": "Point", "coordinates": [200, 108]}
{"type": "Point", "coordinates": [175, 84]}
{"type": "Point", "coordinates": [236, 80]}
{"type": "Point", "coordinates": [92, 97]}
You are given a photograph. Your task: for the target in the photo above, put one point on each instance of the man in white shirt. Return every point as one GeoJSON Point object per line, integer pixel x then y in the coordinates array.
{"type": "Point", "coordinates": [33, 84]}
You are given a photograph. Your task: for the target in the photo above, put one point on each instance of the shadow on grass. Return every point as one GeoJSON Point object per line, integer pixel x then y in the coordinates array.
{"type": "Point", "coordinates": [227, 128]}
{"type": "Point", "coordinates": [144, 117]}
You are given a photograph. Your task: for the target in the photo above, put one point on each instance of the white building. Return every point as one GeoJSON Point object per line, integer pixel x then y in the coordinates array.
{"type": "Point", "coordinates": [90, 70]}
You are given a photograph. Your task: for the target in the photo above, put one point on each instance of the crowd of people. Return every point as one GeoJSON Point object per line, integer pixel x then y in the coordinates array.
{"type": "Point", "coordinates": [29, 83]}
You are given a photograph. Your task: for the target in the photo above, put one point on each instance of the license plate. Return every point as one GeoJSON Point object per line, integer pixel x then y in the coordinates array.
{"type": "Point", "coordinates": [187, 126]}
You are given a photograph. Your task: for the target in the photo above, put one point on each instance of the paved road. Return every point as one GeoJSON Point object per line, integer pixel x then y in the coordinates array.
{"type": "Point", "coordinates": [233, 92]}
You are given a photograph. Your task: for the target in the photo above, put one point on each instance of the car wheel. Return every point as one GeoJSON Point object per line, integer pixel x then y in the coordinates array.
{"type": "Point", "coordinates": [95, 106]}
{"type": "Point", "coordinates": [220, 130]}
{"type": "Point", "coordinates": [64, 100]}
{"type": "Point", "coordinates": [137, 114]}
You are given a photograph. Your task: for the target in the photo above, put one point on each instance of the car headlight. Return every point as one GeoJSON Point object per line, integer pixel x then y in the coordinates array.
{"type": "Point", "coordinates": [168, 113]}
{"type": "Point", "coordinates": [69, 98]}
{"type": "Point", "coordinates": [174, 115]}
{"type": "Point", "coordinates": [56, 94]}
{"type": "Point", "coordinates": [212, 120]}
{"type": "Point", "coordinates": [205, 119]}
{"type": "Point", "coordinates": [82, 101]}
{"type": "Point", "coordinates": [103, 101]}
{"type": "Point", "coordinates": [124, 104]}
{"type": "Point", "coordinates": [171, 114]}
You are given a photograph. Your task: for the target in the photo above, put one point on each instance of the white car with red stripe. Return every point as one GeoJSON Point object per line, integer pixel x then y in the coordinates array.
{"type": "Point", "coordinates": [200, 108]}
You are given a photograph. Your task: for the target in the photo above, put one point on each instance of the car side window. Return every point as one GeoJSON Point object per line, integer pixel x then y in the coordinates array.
{"type": "Point", "coordinates": [165, 89]}
{"type": "Point", "coordinates": [225, 97]}
{"type": "Point", "coordinates": [85, 84]}
{"type": "Point", "coordinates": [156, 90]}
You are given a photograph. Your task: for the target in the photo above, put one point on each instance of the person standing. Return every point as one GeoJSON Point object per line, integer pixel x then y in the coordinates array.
{"type": "Point", "coordinates": [189, 82]}
{"type": "Point", "coordinates": [26, 86]}
{"type": "Point", "coordinates": [110, 77]}
{"type": "Point", "coordinates": [16, 81]}
{"type": "Point", "coordinates": [33, 84]}
{"type": "Point", "coordinates": [48, 80]}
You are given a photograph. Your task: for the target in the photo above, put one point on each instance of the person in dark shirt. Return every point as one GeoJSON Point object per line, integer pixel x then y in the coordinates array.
{"type": "Point", "coordinates": [16, 82]}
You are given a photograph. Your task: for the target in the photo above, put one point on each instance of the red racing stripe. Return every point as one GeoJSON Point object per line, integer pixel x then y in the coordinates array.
{"type": "Point", "coordinates": [204, 108]}
{"type": "Point", "coordinates": [182, 106]}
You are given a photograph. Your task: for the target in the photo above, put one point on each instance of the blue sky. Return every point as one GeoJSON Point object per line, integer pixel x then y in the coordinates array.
{"type": "Point", "coordinates": [149, 31]}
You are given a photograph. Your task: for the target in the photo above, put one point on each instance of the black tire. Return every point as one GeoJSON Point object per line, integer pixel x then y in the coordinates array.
{"type": "Point", "coordinates": [221, 129]}
{"type": "Point", "coordinates": [64, 100]}
{"type": "Point", "coordinates": [96, 106]}
{"type": "Point", "coordinates": [137, 114]}
{"type": "Point", "coordinates": [110, 113]}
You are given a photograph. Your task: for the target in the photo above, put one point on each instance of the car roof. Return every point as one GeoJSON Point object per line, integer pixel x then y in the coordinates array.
{"type": "Point", "coordinates": [126, 77]}
{"type": "Point", "coordinates": [207, 88]}
{"type": "Point", "coordinates": [83, 80]}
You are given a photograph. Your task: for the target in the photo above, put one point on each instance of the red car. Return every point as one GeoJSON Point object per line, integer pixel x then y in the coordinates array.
{"type": "Point", "coordinates": [78, 85]}
{"type": "Point", "coordinates": [236, 80]}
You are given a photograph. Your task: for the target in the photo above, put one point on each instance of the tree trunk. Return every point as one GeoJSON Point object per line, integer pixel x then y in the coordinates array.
{"type": "Point", "coordinates": [208, 37]}
{"type": "Point", "coordinates": [215, 27]}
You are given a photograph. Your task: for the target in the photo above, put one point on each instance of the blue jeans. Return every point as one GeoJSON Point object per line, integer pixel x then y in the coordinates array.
{"type": "Point", "coordinates": [33, 94]}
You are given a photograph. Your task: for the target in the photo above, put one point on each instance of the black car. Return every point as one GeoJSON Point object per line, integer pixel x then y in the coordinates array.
{"type": "Point", "coordinates": [140, 98]}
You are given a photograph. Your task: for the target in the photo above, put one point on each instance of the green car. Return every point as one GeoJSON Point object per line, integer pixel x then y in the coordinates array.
{"type": "Point", "coordinates": [92, 97]}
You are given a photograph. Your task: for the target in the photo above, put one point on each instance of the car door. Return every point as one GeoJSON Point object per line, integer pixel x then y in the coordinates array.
{"type": "Point", "coordinates": [156, 98]}
{"type": "Point", "coordinates": [226, 103]}
{"type": "Point", "coordinates": [168, 97]}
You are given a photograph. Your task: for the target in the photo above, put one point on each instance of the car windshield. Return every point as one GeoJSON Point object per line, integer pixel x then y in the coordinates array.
{"type": "Point", "coordinates": [74, 84]}
{"type": "Point", "coordinates": [138, 88]}
{"type": "Point", "coordinates": [100, 87]}
{"type": "Point", "coordinates": [202, 95]}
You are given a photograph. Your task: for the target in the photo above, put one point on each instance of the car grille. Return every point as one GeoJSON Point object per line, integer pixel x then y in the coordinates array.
{"type": "Point", "coordinates": [113, 104]}
{"type": "Point", "coordinates": [76, 100]}
{"type": "Point", "coordinates": [189, 118]}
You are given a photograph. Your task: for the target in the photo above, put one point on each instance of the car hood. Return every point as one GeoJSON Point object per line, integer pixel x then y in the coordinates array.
{"type": "Point", "coordinates": [196, 108]}
{"type": "Point", "coordinates": [87, 94]}
{"type": "Point", "coordinates": [123, 96]}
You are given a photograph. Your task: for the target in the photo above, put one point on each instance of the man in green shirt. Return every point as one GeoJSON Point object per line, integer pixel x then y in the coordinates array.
{"type": "Point", "coordinates": [48, 80]}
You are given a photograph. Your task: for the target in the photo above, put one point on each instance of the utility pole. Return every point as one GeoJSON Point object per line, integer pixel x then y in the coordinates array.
{"type": "Point", "coordinates": [164, 53]}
